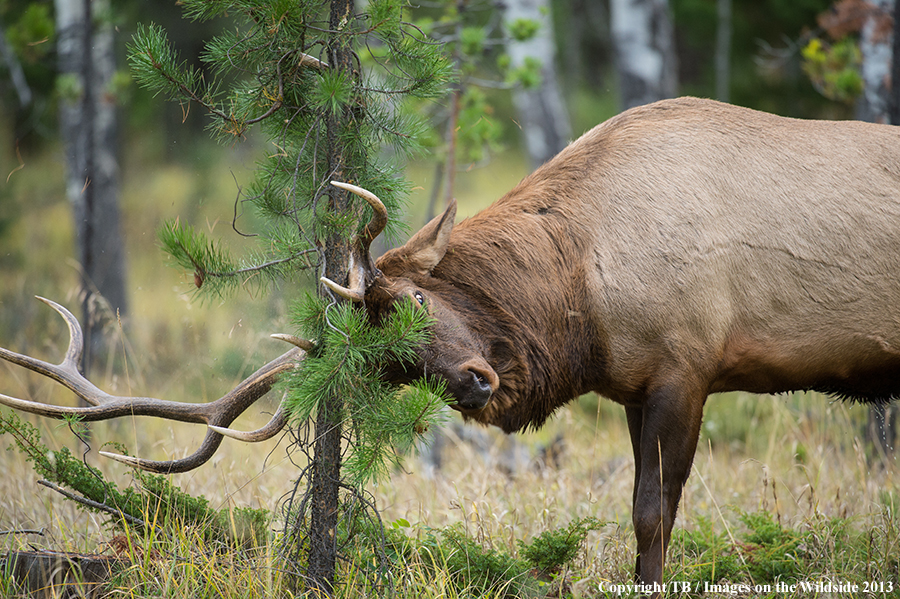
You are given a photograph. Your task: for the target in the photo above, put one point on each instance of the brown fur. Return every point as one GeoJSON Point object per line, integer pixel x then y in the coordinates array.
{"type": "Point", "coordinates": [679, 249]}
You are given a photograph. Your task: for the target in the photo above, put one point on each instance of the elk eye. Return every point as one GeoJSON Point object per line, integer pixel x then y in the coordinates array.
{"type": "Point", "coordinates": [419, 298]}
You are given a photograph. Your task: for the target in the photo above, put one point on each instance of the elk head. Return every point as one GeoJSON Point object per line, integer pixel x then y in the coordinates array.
{"type": "Point", "coordinates": [456, 353]}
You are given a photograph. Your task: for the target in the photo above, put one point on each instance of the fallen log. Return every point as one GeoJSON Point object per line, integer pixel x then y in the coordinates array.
{"type": "Point", "coordinates": [51, 574]}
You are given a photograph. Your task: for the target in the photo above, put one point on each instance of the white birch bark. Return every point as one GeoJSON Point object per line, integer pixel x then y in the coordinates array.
{"type": "Point", "coordinates": [85, 45]}
{"type": "Point", "coordinates": [644, 41]}
{"type": "Point", "coordinates": [542, 111]}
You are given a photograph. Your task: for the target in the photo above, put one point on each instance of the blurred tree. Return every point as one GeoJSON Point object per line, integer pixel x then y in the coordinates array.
{"type": "Point", "coordinates": [471, 33]}
{"type": "Point", "coordinates": [894, 102]}
{"type": "Point", "coordinates": [876, 48]}
{"type": "Point", "coordinates": [543, 116]}
{"type": "Point", "coordinates": [16, 73]}
{"type": "Point", "coordinates": [646, 60]}
{"type": "Point", "coordinates": [766, 38]}
{"type": "Point", "coordinates": [86, 53]}
{"type": "Point", "coordinates": [583, 39]}
{"type": "Point", "coordinates": [723, 50]}
{"type": "Point", "coordinates": [26, 45]}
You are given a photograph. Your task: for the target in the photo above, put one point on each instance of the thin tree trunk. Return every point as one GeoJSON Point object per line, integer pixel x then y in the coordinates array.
{"type": "Point", "coordinates": [326, 475]}
{"type": "Point", "coordinates": [14, 67]}
{"type": "Point", "coordinates": [876, 48]}
{"type": "Point", "coordinates": [644, 40]}
{"type": "Point", "coordinates": [453, 118]}
{"type": "Point", "coordinates": [879, 63]}
{"type": "Point", "coordinates": [542, 111]}
{"type": "Point", "coordinates": [88, 123]}
{"type": "Point", "coordinates": [894, 102]}
{"type": "Point", "coordinates": [723, 50]}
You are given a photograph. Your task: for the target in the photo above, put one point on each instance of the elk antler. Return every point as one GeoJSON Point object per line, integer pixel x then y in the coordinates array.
{"type": "Point", "coordinates": [362, 269]}
{"type": "Point", "coordinates": [217, 414]}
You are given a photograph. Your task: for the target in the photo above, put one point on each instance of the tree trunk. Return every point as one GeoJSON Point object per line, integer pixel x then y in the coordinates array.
{"type": "Point", "coordinates": [894, 103]}
{"type": "Point", "coordinates": [644, 41]}
{"type": "Point", "coordinates": [586, 44]}
{"type": "Point", "coordinates": [325, 485]}
{"type": "Point", "coordinates": [88, 125]}
{"type": "Point", "coordinates": [47, 574]}
{"type": "Point", "coordinates": [879, 53]}
{"type": "Point", "coordinates": [542, 111]}
{"type": "Point", "coordinates": [723, 50]}
{"type": "Point", "coordinates": [876, 48]}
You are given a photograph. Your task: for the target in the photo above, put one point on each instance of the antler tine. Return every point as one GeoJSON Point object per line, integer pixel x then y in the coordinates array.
{"type": "Point", "coordinates": [66, 372]}
{"type": "Point", "coordinates": [279, 419]}
{"type": "Point", "coordinates": [304, 344]}
{"type": "Point", "coordinates": [219, 413]}
{"type": "Point", "coordinates": [357, 278]}
{"type": "Point", "coordinates": [207, 449]}
{"type": "Point", "coordinates": [274, 426]}
{"type": "Point", "coordinates": [360, 261]}
{"type": "Point", "coordinates": [232, 405]}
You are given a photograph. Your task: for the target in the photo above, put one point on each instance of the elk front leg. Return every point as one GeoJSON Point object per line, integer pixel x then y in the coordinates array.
{"type": "Point", "coordinates": [668, 426]}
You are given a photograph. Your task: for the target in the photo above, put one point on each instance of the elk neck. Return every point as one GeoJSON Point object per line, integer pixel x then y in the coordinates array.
{"type": "Point", "coordinates": [520, 264]}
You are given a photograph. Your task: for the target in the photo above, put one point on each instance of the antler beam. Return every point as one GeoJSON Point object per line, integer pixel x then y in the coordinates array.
{"type": "Point", "coordinates": [218, 414]}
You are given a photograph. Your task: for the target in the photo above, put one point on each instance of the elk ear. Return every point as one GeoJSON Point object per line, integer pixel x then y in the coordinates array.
{"type": "Point", "coordinates": [427, 247]}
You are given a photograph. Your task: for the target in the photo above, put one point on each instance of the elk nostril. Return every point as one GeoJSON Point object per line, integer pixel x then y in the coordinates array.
{"type": "Point", "coordinates": [481, 380]}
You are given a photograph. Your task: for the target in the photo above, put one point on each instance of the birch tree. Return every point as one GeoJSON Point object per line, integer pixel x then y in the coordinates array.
{"type": "Point", "coordinates": [85, 44]}
{"type": "Point", "coordinates": [644, 40]}
{"type": "Point", "coordinates": [541, 108]}
{"type": "Point", "coordinates": [875, 43]}
{"type": "Point", "coordinates": [877, 46]}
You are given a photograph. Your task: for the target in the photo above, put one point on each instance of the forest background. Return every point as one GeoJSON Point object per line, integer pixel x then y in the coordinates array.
{"type": "Point", "coordinates": [781, 56]}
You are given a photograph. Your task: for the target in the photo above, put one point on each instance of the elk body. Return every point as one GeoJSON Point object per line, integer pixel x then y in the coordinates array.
{"type": "Point", "coordinates": [679, 249]}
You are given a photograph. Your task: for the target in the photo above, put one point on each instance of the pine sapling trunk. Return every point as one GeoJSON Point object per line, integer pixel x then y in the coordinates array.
{"type": "Point", "coordinates": [326, 473]}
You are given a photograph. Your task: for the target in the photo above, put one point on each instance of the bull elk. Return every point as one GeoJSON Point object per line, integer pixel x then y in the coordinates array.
{"type": "Point", "coordinates": [679, 249]}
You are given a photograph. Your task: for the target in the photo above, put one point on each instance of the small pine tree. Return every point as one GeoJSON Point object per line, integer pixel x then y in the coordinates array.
{"type": "Point", "coordinates": [327, 87]}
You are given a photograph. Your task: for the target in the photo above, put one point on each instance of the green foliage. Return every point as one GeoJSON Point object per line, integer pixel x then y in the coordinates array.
{"type": "Point", "coordinates": [834, 68]}
{"type": "Point", "coordinates": [193, 251]}
{"type": "Point", "coordinates": [157, 67]}
{"type": "Point", "coordinates": [523, 30]}
{"type": "Point", "coordinates": [382, 420]}
{"type": "Point", "coordinates": [528, 75]}
{"type": "Point", "coordinates": [482, 133]}
{"type": "Point", "coordinates": [704, 555]}
{"type": "Point", "coordinates": [32, 36]}
{"type": "Point", "coordinates": [477, 569]}
{"type": "Point", "coordinates": [473, 35]}
{"type": "Point", "coordinates": [553, 549]}
{"type": "Point", "coordinates": [333, 92]}
{"type": "Point", "coordinates": [472, 39]}
{"type": "Point", "coordinates": [772, 552]}
{"type": "Point", "coordinates": [766, 552]}
{"type": "Point", "coordinates": [158, 500]}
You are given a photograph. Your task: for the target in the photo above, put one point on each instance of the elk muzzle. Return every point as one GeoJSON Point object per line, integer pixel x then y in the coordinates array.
{"type": "Point", "coordinates": [474, 384]}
